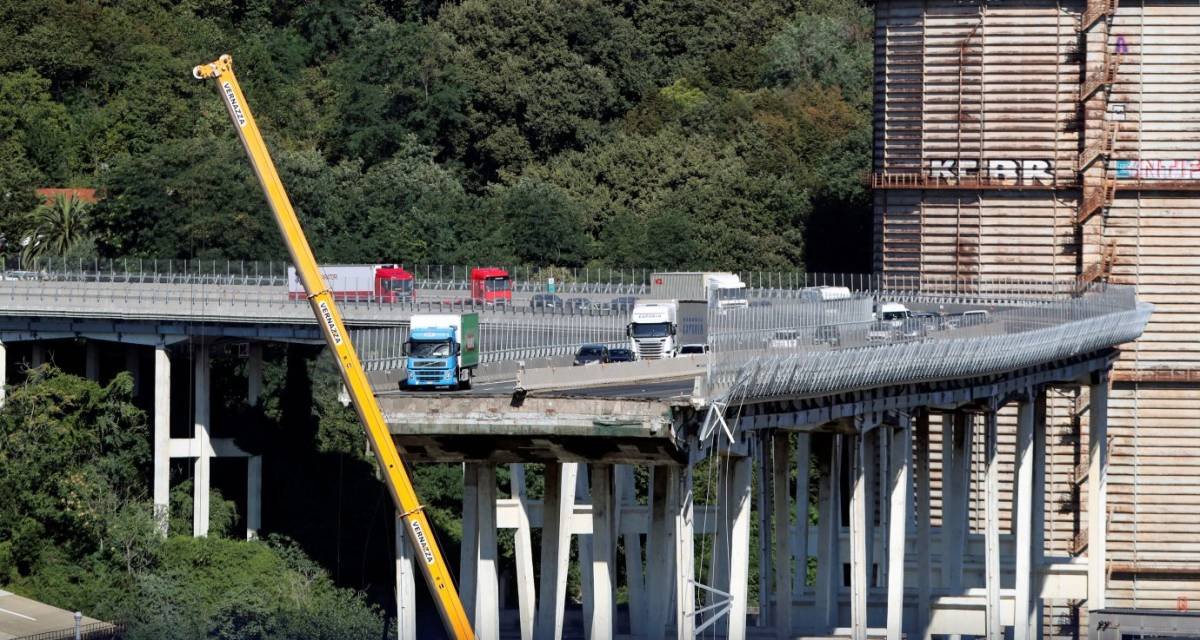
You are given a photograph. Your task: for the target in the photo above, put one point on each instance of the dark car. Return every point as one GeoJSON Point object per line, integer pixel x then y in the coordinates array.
{"type": "Point", "coordinates": [693, 349]}
{"type": "Point", "coordinates": [578, 304]}
{"type": "Point", "coordinates": [591, 354]}
{"type": "Point", "coordinates": [545, 301]}
{"type": "Point", "coordinates": [623, 304]}
{"type": "Point", "coordinates": [620, 355]}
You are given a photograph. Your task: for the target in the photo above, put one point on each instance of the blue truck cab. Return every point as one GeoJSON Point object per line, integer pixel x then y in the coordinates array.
{"type": "Point", "coordinates": [442, 350]}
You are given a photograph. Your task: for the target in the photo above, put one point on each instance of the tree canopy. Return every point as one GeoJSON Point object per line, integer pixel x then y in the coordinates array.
{"type": "Point", "coordinates": [551, 133]}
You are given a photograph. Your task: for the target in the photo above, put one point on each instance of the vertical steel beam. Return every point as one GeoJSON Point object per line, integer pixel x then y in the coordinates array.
{"type": "Point", "coordinates": [1097, 489]}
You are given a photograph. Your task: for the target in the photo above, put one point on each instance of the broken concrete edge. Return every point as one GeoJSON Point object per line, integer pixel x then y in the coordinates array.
{"type": "Point", "coordinates": [615, 373]}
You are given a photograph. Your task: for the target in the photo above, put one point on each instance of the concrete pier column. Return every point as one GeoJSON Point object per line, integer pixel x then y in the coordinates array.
{"type": "Point", "coordinates": [995, 627]}
{"type": "Point", "coordinates": [603, 546]}
{"type": "Point", "coordinates": [559, 506]}
{"type": "Point", "coordinates": [583, 493]}
{"type": "Point", "coordinates": [253, 496]}
{"type": "Point", "coordinates": [523, 553]}
{"type": "Point", "coordinates": [91, 366]}
{"type": "Point", "coordinates": [254, 374]}
{"type": "Point", "coordinates": [162, 436]}
{"type": "Point", "coordinates": [829, 527]}
{"type": "Point", "coordinates": [469, 549]}
{"type": "Point", "coordinates": [37, 354]}
{"type": "Point", "coordinates": [203, 436]}
{"type": "Point", "coordinates": [685, 551]}
{"type": "Point", "coordinates": [956, 494]}
{"type": "Point", "coordinates": [626, 494]}
{"type": "Point", "coordinates": [660, 548]}
{"type": "Point", "coordinates": [1038, 538]}
{"type": "Point", "coordinates": [1097, 489]}
{"type": "Point", "coordinates": [1024, 518]}
{"type": "Point", "coordinates": [860, 561]}
{"type": "Point", "coordinates": [764, 502]}
{"type": "Point", "coordinates": [3, 372]}
{"type": "Point", "coordinates": [921, 474]}
{"type": "Point", "coordinates": [781, 463]}
{"type": "Point", "coordinates": [487, 603]}
{"type": "Point", "coordinates": [406, 601]}
{"type": "Point", "coordinates": [800, 526]}
{"type": "Point", "coordinates": [738, 494]}
{"type": "Point", "coordinates": [901, 508]}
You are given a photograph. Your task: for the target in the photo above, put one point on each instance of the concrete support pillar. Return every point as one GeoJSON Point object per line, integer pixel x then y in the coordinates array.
{"type": "Point", "coordinates": [203, 435]}
{"type": "Point", "coordinates": [1097, 490]}
{"type": "Point", "coordinates": [603, 549]}
{"type": "Point", "coordinates": [254, 373]}
{"type": "Point", "coordinates": [995, 627]}
{"type": "Point", "coordinates": [626, 494]}
{"type": "Point", "coordinates": [922, 477]}
{"type": "Point", "coordinates": [583, 493]}
{"type": "Point", "coordinates": [956, 495]}
{"type": "Point", "coordinates": [1038, 539]}
{"type": "Point", "coordinates": [253, 496]}
{"type": "Point", "coordinates": [469, 549]}
{"type": "Point", "coordinates": [487, 603]}
{"type": "Point", "coordinates": [685, 552]}
{"type": "Point", "coordinates": [162, 437]}
{"type": "Point", "coordinates": [660, 549]}
{"type": "Point", "coordinates": [37, 355]}
{"type": "Point", "coordinates": [559, 505]}
{"type": "Point", "coordinates": [1024, 519]}
{"type": "Point", "coordinates": [829, 527]}
{"type": "Point", "coordinates": [523, 553]}
{"type": "Point", "coordinates": [764, 501]}
{"type": "Point", "coordinates": [783, 530]}
{"type": "Point", "coordinates": [737, 490]}
{"type": "Point", "coordinates": [800, 526]}
{"type": "Point", "coordinates": [406, 601]}
{"type": "Point", "coordinates": [133, 365]}
{"type": "Point", "coordinates": [91, 366]}
{"type": "Point", "coordinates": [901, 503]}
{"type": "Point", "coordinates": [3, 372]}
{"type": "Point", "coordinates": [859, 559]}
{"type": "Point", "coordinates": [882, 485]}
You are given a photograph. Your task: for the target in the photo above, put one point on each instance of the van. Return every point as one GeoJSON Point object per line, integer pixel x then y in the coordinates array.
{"type": "Point", "coordinates": [824, 294]}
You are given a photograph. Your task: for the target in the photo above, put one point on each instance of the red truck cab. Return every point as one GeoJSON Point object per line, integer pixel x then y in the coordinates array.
{"type": "Point", "coordinates": [394, 284]}
{"type": "Point", "coordinates": [491, 285]}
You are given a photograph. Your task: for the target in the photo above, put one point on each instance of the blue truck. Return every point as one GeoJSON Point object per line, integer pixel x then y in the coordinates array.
{"type": "Point", "coordinates": [442, 350]}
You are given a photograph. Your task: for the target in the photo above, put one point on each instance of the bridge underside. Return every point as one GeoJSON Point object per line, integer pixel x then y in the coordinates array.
{"type": "Point", "coordinates": [490, 429]}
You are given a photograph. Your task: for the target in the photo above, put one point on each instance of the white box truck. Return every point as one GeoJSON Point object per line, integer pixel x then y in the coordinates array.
{"type": "Point", "coordinates": [697, 285]}
{"type": "Point", "coordinates": [661, 328]}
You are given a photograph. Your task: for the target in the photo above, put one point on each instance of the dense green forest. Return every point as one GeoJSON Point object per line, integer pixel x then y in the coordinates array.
{"type": "Point", "coordinates": [630, 133]}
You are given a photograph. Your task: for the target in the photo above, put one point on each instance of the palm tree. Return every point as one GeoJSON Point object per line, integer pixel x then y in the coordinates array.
{"type": "Point", "coordinates": [56, 228]}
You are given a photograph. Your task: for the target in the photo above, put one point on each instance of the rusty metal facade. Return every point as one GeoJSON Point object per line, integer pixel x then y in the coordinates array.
{"type": "Point", "coordinates": [1035, 138]}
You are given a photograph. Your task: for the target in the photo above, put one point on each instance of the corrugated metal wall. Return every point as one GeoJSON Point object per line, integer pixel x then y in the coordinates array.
{"type": "Point", "coordinates": [1016, 139]}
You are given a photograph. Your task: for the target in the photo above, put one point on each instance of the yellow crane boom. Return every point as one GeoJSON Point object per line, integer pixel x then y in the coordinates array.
{"type": "Point", "coordinates": [432, 563]}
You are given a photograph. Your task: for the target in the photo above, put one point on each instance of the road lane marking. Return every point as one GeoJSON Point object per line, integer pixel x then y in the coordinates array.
{"type": "Point", "coordinates": [19, 615]}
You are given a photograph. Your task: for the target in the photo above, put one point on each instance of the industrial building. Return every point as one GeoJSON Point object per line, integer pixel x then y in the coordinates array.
{"type": "Point", "coordinates": [1059, 140]}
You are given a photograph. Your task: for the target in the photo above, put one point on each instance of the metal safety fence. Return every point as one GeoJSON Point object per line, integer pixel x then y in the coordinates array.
{"type": "Point", "coordinates": [756, 353]}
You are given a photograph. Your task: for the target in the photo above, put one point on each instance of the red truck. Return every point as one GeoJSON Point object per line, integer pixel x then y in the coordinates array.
{"type": "Point", "coordinates": [388, 283]}
{"type": "Point", "coordinates": [491, 285]}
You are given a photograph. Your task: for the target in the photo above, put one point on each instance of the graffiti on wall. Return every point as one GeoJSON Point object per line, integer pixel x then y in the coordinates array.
{"type": "Point", "coordinates": [1144, 169]}
{"type": "Point", "coordinates": [1019, 171]}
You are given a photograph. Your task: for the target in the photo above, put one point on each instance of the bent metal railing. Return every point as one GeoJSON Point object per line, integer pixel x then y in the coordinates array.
{"type": "Point", "coordinates": [750, 359]}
